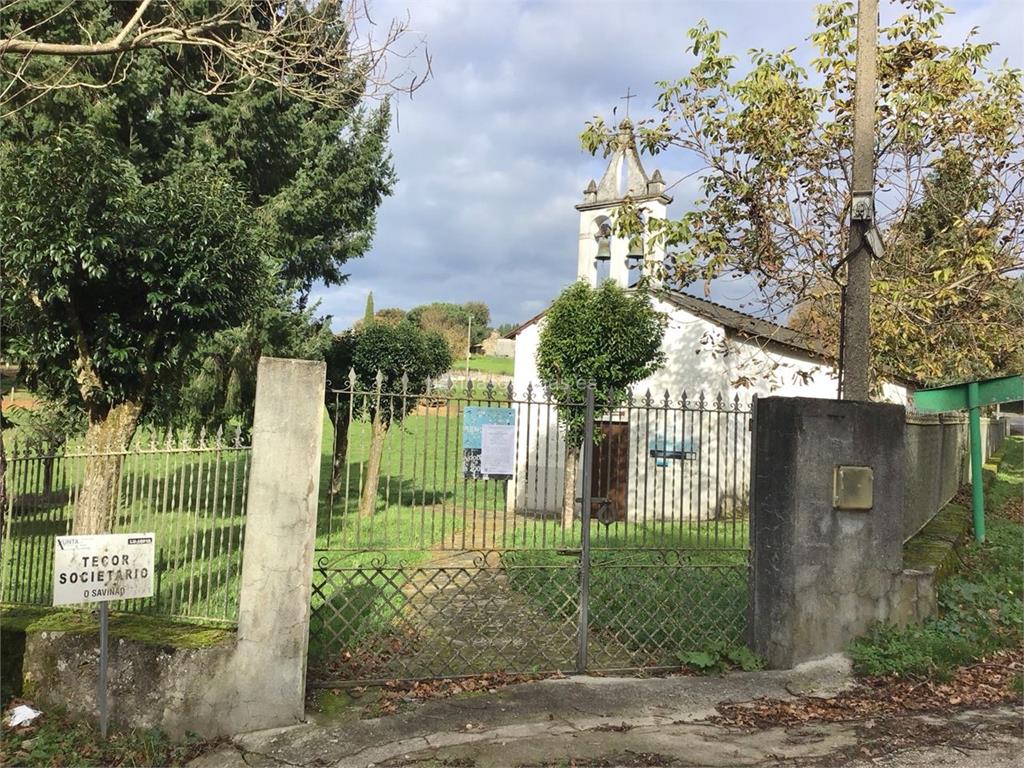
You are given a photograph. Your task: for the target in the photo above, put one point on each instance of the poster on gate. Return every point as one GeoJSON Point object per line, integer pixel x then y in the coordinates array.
{"type": "Point", "coordinates": [488, 443]}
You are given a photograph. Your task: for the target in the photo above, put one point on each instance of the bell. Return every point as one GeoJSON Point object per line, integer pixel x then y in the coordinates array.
{"type": "Point", "coordinates": [604, 248]}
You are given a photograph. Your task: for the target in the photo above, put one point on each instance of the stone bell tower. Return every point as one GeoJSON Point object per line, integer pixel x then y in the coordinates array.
{"type": "Point", "coordinates": [624, 178]}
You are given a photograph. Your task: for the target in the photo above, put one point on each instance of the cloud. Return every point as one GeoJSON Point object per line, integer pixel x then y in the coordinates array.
{"type": "Point", "coordinates": [487, 153]}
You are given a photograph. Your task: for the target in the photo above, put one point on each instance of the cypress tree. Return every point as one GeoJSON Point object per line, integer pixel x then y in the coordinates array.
{"type": "Point", "coordinates": [368, 313]}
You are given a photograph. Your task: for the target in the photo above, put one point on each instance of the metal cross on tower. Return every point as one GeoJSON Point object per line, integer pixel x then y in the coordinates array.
{"type": "Point", "coordinates": [626, 98]}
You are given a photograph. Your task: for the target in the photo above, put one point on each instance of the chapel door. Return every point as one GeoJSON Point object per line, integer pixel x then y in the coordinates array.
{"type": "Point", "coordinates": [610, 472]}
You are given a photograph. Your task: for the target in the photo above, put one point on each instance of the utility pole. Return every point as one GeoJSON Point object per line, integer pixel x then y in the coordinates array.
{"type": "Point", "coordinates": [855, 364]}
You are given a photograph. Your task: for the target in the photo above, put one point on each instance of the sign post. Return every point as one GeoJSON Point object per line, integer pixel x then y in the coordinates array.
{"type": "Point", "coordinates": [101, 693]}
{"type": "Point", "coordinates": [972, 396]}
{"type": "Point", "coordinates": [98, 569]}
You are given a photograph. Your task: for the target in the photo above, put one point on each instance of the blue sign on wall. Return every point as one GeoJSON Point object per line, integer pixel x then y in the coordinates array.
{"type": "Point", "coordinates": [663, 449]}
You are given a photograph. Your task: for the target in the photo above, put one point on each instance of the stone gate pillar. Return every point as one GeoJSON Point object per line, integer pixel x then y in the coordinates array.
{"type": "Point", "coordinates": [262, 684]}
{"type": "Point", "coordinates": [826, 523]}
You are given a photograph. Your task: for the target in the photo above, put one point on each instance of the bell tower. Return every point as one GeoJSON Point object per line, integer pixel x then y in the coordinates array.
{"type": "Point", "coordinates": [598, 244]}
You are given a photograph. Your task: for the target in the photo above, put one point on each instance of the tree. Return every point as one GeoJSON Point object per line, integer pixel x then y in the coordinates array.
{"type": "Point", "coordinates": [608, 337]}
{"type": "Point", "coordinates": [315, 174]}
{"type": "Point", "coordinates": [110, 284]}
{"type": "Point", "coordinates": [391, 364]}
{"type": "Point", "coordinates": [774, 147]}
{"type": "Point", "coordinates": [368, 312]}
{"type": "Point", "coordinates": [46, 427]}
{"type": "Point", "coordinates": [339, 400]}
{"type": "Point", "coordinates": [3, 483]}
{"type": "Point", "coordinates": [305, 181]}
{"type": "Point", "coordinates": [481, 315]}
{"type": "Point", "coordinates": [389, 315]}
{"type": "Point", "coordinates": [221, 387]}
{"type": "Point", "coordinates": [452, 321]}
{"type": "Point", "coordinates": [306, 50]}
{"type": "Point", "coordinates": [941, 253]}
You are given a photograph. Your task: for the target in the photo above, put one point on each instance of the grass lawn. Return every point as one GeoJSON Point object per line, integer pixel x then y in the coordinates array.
{"type": "Point", "coordinates": [498, 365]}
{"type": "Point", "coordinates": [425, 504]}
{"type": "Point", "coordinates": [981, 608]}
{"type": "Point", "coordinates": [194, 503]}
{"type": "Point", "coordinates": [1008, 482]}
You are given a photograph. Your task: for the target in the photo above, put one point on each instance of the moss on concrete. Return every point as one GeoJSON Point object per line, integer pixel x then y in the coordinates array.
{"type": "Point", "coordinates": [150, 630]}
{"type": "Point", "coordinates": [934, 547]}
{"type": "Point", "coordinates": [334, 706]}
{"type": "Point", "coordinates": [1007, 474]}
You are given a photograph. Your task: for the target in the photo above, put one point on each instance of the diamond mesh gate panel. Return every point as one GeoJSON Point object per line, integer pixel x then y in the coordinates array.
{"type": "Point", "coordinates": [656, 605]}
{"type": "Point", "coordinates": [470, 615]}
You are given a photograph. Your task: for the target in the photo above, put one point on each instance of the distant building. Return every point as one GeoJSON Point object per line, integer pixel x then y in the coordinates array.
{"type": "Point", "coordinates": [497, 345]}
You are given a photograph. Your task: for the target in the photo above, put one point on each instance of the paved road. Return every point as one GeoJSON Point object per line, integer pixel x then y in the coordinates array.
{"type": "Point", "coordinates": [631, 722]}
{"type": "Point", "coordinates": [1001, 753]}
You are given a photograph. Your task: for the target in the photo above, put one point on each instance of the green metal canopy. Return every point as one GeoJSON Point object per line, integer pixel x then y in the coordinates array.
{"type": "Point", "coordinates": [1006, 389]}
{"type": "Point", "coordinates": [971, 396]}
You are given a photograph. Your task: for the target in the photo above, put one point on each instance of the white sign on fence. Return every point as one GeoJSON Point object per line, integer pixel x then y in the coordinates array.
{"type": "Point", "coordinates": [112, 566]}
{"type": "Point", "coordinates": [497, 449]}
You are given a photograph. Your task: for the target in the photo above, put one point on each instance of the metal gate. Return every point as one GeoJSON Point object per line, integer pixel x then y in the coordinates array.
{"type": "Point", "coordinates": [462, 558]}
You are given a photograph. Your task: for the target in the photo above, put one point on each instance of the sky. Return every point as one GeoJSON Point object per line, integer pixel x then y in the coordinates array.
{"type": "Point", "coordinates": [487, 152]}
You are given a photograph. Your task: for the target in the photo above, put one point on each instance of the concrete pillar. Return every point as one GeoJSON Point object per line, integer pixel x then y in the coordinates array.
{"type": "Point", "coordinates": [821, 574]}
{"type": "Point", "coordinates": [263, 683]}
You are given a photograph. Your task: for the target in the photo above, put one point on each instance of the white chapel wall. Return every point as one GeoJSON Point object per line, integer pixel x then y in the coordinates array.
{"type": "Point", "coordinates": [711, 481]}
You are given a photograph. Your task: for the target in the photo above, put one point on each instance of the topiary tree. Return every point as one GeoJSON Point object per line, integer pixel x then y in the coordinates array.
{"type": "Point", "coordinates": [605, 336]}
{"type": "Point", "coordinates": [389, 361]}
{"type": "Point", "coordinates": [368, 311]}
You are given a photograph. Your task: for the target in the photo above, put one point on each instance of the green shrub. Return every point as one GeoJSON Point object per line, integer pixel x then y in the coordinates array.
{"type": "Point", "coordinates": [980, 611]}
{"type": "Point", "coordinates": [720, 657]}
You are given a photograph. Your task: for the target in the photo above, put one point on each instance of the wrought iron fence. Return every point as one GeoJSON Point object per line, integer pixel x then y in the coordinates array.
{"type": "Point", "coordinates": [452, 564]}
{"type": "Point", "coordinates": [191, 491]}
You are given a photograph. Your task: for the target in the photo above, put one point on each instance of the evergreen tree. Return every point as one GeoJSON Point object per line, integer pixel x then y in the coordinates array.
{"type": "Point", "coordinates": [158, 217]}
{"type": "Point", "coordinates": [368, 312]}
{"type": "Point", "coordinates": [605, 336]}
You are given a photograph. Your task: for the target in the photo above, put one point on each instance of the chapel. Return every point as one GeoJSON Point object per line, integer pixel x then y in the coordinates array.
{"type": "Point", "coordinates": [717, 359]}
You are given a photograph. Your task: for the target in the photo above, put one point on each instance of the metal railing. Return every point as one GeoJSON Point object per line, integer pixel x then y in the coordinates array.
{"type": "Point", "coordinates": [190, 491]}
{"type": "Point", "coordinates": [664, 467]}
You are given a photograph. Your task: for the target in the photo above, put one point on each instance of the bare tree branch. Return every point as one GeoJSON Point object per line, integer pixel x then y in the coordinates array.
{"type": "Point", "coordinates": [329, 52]}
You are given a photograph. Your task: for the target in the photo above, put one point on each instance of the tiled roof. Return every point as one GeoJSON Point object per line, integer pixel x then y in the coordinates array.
{"type": "Point", "coordinates": [745, 324]}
